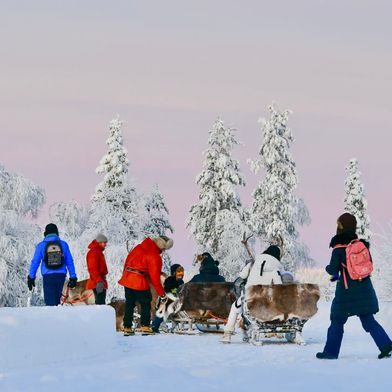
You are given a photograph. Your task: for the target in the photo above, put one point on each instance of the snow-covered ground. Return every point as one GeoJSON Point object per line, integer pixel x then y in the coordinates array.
{"type": "Point", "coordinates": [107, 361]}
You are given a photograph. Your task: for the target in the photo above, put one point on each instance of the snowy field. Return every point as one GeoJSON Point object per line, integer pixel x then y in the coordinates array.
{"type": "Point", "coordinates": [76, 349]}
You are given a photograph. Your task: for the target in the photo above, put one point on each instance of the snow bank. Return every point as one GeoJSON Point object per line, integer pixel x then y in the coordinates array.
{"type": "Point", "coordinates": [42, 335]}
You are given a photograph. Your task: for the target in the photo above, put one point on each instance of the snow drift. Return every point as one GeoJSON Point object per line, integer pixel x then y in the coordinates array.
{"type": "Point", "coordinates": [42, 335]}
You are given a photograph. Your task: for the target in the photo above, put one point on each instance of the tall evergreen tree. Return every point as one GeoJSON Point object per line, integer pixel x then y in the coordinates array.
{"type": "Point", "coordinates": [19, 199]}
{"type": "Point", "coordinates": [276, 210]}
{"type": "Point", "coordinates": [219, 214]}
{"type": "Point", "coordinates": [157, 220]}
{"type": "Point", "coordinates": [116, 207]}
{"type": "Point", "coordinates": [355, 201]}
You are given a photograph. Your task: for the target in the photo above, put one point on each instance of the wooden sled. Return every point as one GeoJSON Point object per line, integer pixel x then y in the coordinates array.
{"type": "Point", "coordinates": [204, 306]}
{"type": "Point", "coordinates": [278, 311]}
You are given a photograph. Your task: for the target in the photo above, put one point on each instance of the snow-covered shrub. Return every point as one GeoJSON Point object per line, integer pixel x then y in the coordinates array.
{"type": "Point", "coordinates": [382, 260]}
{"type": "Point", "coordinates": [320, 277]}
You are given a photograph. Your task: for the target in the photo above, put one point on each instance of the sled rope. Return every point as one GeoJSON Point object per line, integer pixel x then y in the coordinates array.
{"type": "Point", "coordinates": [72, 301]}
{"type": "Point", "coordinates": [216, 317]}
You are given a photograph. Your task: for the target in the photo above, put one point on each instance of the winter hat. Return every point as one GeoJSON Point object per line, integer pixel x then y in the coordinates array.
{"type": "Point", "coordinates": [163, 242]}
{"type": "Point", "coordinates": [176, 267]}
{"type": "Point", "coordinates": [273, 251]}
{"type": "Point", "coordinates": [51, 228]}
{"type": "Point", "coordinates": [101, 238]}
{"type": "Point", "coordinates": [346, 222]}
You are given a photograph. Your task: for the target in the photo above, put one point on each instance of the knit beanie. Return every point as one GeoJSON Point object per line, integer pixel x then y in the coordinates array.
{"type": "Point", "coordinates": [346, 222]}
{"type": "Point", "coordinates": [101, 238]}
{"type": "Point", "coordinates": [176, 267]}
{"type": "Point", "coordinates": [273, 251]}
{"type": "Point", "coordinates": [51, 228]}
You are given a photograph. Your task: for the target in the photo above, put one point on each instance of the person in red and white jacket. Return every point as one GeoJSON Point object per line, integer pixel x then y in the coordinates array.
{"type": "Point", "coordinates": [97, 268]}
{"type": "Point", "coordinates": [143, 264]}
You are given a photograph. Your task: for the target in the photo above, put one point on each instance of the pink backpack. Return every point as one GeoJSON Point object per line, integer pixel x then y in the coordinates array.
{"type": "Point", "coordinates": [358, 262]}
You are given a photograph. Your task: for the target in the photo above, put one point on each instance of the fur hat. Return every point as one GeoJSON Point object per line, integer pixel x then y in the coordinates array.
{"type": "Point", "coordinates": [51, 228]}
{"type": "Point", "coordinates": [163, 242]}
{"type": "Point", "coordinates": [346, 222]}
{"type": "Point", "coordinates": [101, 238]}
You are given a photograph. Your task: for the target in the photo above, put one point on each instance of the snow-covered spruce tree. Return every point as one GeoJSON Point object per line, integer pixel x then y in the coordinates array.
{"type": "Point", "coordinates": [216, 222]}
{"type": "Point", "coordinates": [157, 220]}
{"type": "Point", "coordinates": [19, 199]}
{"type": "Point", "coordinates": [116, 208]}
{"type": "Point", "coordinates": [354, 200]}
{"type": "Point", "coordinates": [276, 210]}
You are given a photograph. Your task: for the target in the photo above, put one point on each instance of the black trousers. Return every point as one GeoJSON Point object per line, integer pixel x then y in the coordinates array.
{"type": "Point", "coordinates": [144, 298]}
{"type": "Point", "coordinates": [100, 298]}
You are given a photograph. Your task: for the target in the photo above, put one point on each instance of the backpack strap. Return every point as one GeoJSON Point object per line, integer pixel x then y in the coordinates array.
{"type": "Point", "coordinates": [262, 268]}
{"type": "Point", "coordinates": [344, 266]}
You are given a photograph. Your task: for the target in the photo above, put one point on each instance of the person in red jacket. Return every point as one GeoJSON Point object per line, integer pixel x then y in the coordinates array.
{"type": "Point", "coordinates": [97, 268]}
{"type": "Point", "coordinates": [143, 264]}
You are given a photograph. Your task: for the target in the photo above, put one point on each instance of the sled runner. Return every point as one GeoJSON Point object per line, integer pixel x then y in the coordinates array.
{"type": "Point", "coordinates": [278, 309]}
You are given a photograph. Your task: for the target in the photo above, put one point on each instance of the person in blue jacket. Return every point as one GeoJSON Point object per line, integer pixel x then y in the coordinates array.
{"type": "Point", "coordinates": [55, 258]}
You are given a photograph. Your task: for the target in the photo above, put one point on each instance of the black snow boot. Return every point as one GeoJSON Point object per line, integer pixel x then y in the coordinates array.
{"type": "Point", "coordinates": [324, 355]}
{"type": "Point", "coordinates": [386, 351]}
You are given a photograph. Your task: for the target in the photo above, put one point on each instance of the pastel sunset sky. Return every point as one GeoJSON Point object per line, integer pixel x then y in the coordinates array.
{"type": "Point", "coordinates": [169, 68]}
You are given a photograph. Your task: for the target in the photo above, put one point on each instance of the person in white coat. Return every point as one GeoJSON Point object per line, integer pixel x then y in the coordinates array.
{"type": "Point", "coordinates": [264, 270]}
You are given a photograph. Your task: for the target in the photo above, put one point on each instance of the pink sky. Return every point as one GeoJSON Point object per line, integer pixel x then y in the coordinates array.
{"type": "Point", "coordinates": [170, 68]}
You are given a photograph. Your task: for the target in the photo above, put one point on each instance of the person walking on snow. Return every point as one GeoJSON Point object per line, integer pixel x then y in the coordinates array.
{"type": "Point", "coordinates": [352, 297]}
{"type": "Point", "coordinates": [143, 264]}
{"type": "Point", "coordinates": [265, 270]}
{"type": "Point", "coordinates": [97, 268]}
{"type": "Point", "coordinates": [55, 258]}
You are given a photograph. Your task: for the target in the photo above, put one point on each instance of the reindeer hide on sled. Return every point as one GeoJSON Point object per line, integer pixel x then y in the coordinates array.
{"type": "Point", "coordinates": [206, 300]}
{"type": "Point", "coordinates": [282, 302]}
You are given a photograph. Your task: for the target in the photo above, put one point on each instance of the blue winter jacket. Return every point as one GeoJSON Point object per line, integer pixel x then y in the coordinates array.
{"type": "Point", "coordinates": [39, 259]}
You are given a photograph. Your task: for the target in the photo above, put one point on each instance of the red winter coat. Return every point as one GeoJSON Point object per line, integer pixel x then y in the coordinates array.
{"type": "Point", "coordinates": [146, 258]}
{"type": "Point", "coordinates": [96, 265]}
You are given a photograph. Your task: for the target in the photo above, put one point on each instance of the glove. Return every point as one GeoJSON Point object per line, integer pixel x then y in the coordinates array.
{"type": "Point", "coordinates": [72, 283]}
{"type": "Point", "coordinates": [30, 282]}
{"type": "Point", "coordinates": [334, 278]}
{"type": "Point", "coordinates": [100, 287]}
{"type": "Point", "coordinates": [161, 300]}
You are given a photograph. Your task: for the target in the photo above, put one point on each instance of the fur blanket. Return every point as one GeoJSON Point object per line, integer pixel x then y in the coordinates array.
{"type": "Point", "coordinates": [282, 302]}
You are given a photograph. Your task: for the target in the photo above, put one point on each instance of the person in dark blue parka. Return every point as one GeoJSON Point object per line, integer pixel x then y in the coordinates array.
{"type": "Point", "coordinates": [54, 277]}
{"type": "Point", "coordinates": [359, 299]}
{"type": "Point", "coordinates": [208, 271]}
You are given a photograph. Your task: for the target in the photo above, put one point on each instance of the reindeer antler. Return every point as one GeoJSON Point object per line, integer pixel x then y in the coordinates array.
{"type": "Point", "coordinates": [245, 240]}
{"type": "Point", "coordinates": [280, 244]}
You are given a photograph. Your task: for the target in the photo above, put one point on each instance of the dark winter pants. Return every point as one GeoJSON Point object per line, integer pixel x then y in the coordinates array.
{"type": "Point", "coordinates": [144, 298]}
{"type": "Point", "coordinates": [369, 324]}
{"type": "Point", "coordinates": [156, 323]}
{"type": "Point", "coordinates": [100, 298]}
{"type": "Point", "coordinates": [53, 288]}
